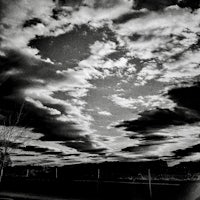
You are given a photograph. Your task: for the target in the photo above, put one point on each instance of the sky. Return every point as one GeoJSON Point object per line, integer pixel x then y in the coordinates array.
{"type": "Point", "coordinates": [100, 80]}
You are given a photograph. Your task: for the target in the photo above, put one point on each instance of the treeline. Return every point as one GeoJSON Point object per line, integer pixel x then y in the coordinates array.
{"type": "Point", "coordinates": [128, 171]}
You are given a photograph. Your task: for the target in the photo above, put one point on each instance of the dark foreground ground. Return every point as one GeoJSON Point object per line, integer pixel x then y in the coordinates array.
{"type": "Point", "coordinates": [103, 181]}
{"type": "Point", "coordinates": [21, 189]}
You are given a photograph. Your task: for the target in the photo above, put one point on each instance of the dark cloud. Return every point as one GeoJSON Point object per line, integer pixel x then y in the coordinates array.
{"type": "Point", "coordinates": [161, 4]}
{"type": "Point", "coordinates": [27, 69]}
{"type": "Point", "coordinates": [59, 154]}
{"type": "Point", "coordinates": [180, 153]}
{"type": "Point", "coordinates": [151, 120]}
{"type": "Point", "coordinates": [32, 22]}
{"type": "Point", "coordinates": [70, 3]}
{"type": "Point", "coordinates": [105, 3]}
{"type": "Point", "coordinates": [24, 155]}
{"type": "Point", "coordinates": [45, 151]}
{"type": "Point", "coordinates": [187, 111]}
{"type": "Point", "coordinates": [193, 4]}
{"type": "Point", "coordinates": [150, 137]}
{"type": "Point", "coordinates": [18, 73]}
{"type": "Point", "coordinates": [35, 149]}
{"type": "Point", "coordinates": [85, 146]}
{"type": "Point", "coordinates": [139, 149]}
{"type": "Point", "coordinates": [94, 3]}
{"type": "Point", "coordinates": [153, 4]}
{"type": "Point", "coordinates": [150, 141]}
{"type": "Point", "coordinates": [187, 97]}
{"type": "Point", "coordinates": [126, 17]}
{"type": "Point", "coordinates": [137, 4]}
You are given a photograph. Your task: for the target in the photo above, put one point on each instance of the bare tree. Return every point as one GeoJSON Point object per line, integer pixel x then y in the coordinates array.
{"type": "Point", "coordinates": [9, 138]}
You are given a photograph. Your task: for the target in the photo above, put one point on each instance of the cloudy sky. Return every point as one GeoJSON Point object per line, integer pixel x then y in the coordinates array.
{"type": "Point", "coordinates": [101, 80]}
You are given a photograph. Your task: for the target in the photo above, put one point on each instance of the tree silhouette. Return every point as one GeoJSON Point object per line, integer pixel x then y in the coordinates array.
{"type": "Point", "coordinates": [9, 138]}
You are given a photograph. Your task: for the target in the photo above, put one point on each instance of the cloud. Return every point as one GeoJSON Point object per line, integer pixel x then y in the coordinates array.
{"type": "Point", "coordinates": [36, 149]}
{"type": "Point", "coordinates": [56, 95]}
{"type": "Point", "coordinates": [22, 21]}
{"type": "Point", "coordinates": [159, 4]}
{"type": "Point", "coordinates": [162, 35]}
{"type": "Point", "coordinates": [35, 82]}
{"type": "Point", "coordinates": [40, 83]}
{"type": "Point", "coordinates": [141, 148]}
{"type": "Point", "coordinates": [187, 3]}
{"type": "Point", "coordinates": [13, 17]}
{"type": "Point", "coordinates": [152, 120]}
{"type": "Point", "coordinates": [101, 49]}
{"type": "Point", "coordinates": [153, 5]}
{"type": "Point", "coordinates": [185, 112]}
{"type": "Point", "coordinates": [123, 102]}
{"type": "Point", "coordinates": [105, 113]}
{"type": "Point", "coordinates": [167, 45]}
{"type": "Point", "coordinates": [152, 37]}
{"type": "Point", "coordinates": [180, 153]}
{"type": "Point", "coordinates": [187, 66]}
{"type": "Point", "coordinates": [163, 143]}
{"type": "Point", "coordinates": [186, 96]}
{"type": "Point", "coordinates": [142, 102]}
{"type": "Point", "coordinates": [168, 133]}
{"type": "Point", "coordinates": [99, 13]}
{"type": "Point", "coordinates": [147, 73]}
{"type": "Point", "coordinates": [99, 66]}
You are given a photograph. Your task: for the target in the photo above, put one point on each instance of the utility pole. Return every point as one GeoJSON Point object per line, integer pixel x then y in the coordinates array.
{"type": "Point", "coordinates": [56, 172]}
{"type": "Point", "coordinates": [98, 181]}
{"type": "Point", "coordinates": [150, 189]}
{"type": "Point", "coordinates": [27, 173]}
{"type": "Point", "coordinates": [98, 174]}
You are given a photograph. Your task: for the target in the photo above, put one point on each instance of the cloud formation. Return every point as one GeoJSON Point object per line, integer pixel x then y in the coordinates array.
{"type": "Point", "coordinates": [35, 83]}
{"type": "Point", "coordinates": [142, 102]}
{"type": "Point", "coordinates": [186, 111]}
{"type": "Point", "coordinates": [105, 113]}
{"type": "Point", "coordinates": [168, 48]}
{"type": "Point", "coordinates": [157, 127]}
{"type": "Point", "coordinates": [125, 46]}
{"type": "Point", "coordinates": [159, 4]}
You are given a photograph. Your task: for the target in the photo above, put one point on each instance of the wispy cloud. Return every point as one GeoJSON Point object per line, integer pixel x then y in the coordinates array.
{"type": "Point", "coordinates": [18, 13]}
{"type": "Point", "coordinates": [105, 113]}
{"type": "Point", "coordinates": [149, 72]}
{"type": "Point", "coordinates": [168, 39]}
{"type": "Point", "coordinates": [143, 102]}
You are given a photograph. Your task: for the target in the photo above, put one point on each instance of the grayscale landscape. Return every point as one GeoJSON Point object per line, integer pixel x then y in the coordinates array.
{"type": "Point", "coordinates": [100, 99]}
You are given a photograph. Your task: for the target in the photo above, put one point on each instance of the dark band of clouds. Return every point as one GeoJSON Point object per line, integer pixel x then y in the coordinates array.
{"type": "Point", "coordinates": [186, 152]}
{"type": "Point", "coordinates": [187, 111]}
{"type": "Point", "coordinates": [138, 4]}
{"type": "Point", "coordinates": [12, 97]}
{"type": "Point", "coordinates": [161, 4]}
{"type": "Point", "coordinates": [148, 127]}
